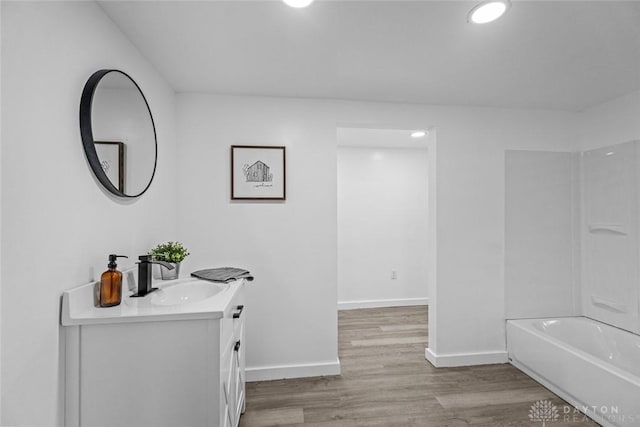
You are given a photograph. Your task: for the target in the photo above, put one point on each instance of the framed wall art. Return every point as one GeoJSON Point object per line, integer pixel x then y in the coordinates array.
{"type": "Point", "coordinates": [258, 172]}
{"type": "Point", "coordinates": [111, 157]}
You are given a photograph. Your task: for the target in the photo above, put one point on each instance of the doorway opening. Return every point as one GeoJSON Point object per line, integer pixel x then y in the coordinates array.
{"type": "Point", "coordinates": [382, 217]}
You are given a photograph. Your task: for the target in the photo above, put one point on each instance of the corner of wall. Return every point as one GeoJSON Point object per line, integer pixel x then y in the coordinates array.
{"type": "Point", "coordinates": [432, 232]}
{"type": "Point", "coordinates": [577, 222]}
{"type": "Point", "coordinates": [612, 122]}
{"type": "Point", "coordinates": [1, 204]}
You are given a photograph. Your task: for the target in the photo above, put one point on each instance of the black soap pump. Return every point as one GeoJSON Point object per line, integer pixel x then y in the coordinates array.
{"type": "Point", "coordinates": [111, 284]}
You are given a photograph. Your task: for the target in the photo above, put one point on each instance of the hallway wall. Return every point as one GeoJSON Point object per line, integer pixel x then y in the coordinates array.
{"type": "Point", "coordinates": [382, 226]}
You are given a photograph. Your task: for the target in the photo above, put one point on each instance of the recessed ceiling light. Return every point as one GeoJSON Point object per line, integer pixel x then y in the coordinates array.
{"type": "Point", "coordinates": [418, 134]}
{"type": "Point", "coordinates": [298, 3]}
{"type": "Point", "coordinates": [488, 11]}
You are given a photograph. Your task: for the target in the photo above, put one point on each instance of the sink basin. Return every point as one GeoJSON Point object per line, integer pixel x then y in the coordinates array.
{"type": "Point", "coordinates": [186, 291]}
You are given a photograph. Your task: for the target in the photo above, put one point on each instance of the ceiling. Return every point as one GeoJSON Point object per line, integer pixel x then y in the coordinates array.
{"type": "Point", "coordinates": [380, 138]}
{"type": "Point", "coordinates": [567, 55]}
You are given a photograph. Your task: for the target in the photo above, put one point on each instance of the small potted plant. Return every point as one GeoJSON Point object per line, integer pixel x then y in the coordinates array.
{"type": "Point", "coordinates": [173, 253]}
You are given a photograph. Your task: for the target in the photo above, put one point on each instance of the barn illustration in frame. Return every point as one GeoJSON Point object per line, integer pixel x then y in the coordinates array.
{"type": "Point", "coordinates": [258, 172]}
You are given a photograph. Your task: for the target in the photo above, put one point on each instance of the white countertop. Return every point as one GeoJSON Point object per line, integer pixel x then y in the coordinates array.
{"type": "Point", "coordinates": [79, 307]}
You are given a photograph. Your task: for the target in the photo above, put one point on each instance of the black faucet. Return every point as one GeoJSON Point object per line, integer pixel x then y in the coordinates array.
{"type": "Point", "coordinates": [144, 274]}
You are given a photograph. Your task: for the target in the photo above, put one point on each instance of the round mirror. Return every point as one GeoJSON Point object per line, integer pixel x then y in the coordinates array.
{"type": "Point", "coordinates": [118, 133]}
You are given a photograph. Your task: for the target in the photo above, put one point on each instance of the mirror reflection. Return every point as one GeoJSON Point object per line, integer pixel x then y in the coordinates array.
{"type": "Point", "coordinates": [123, 136]}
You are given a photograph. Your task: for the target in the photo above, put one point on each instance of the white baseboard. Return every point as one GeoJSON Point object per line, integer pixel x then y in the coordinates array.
{"type": "Point", "coordinates": [279, 372]}
{"type": "Point", "coordinates": [377, 303]}
{"type": "Point", "coordinates": [465, 359]}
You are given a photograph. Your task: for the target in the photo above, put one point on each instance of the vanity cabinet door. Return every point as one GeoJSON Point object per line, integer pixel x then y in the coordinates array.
{"type": "Point", "coordinates": [229, 388]}
{"type": "Point", "coordinates": [232, 362]}
{"type": "Point", "coordinates": [227, 401]}
{"type": "Point", "coordinates": [238, 378]}
{"type": "Point", "coordinates": [227, 422]}
{"type": "Point", "coordinates": [238, 365]}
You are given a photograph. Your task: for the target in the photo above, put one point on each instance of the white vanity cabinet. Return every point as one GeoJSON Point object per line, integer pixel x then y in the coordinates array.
{"type": "Point", "coordinates": [177, 366]}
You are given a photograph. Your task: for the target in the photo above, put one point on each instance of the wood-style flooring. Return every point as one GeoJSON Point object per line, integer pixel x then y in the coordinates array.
{"type": "Point", "coordinates": [386, 381]}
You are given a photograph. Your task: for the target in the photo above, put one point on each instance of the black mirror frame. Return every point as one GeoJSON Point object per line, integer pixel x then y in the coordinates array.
{"type": "Point", "coordinates": [86, 132]}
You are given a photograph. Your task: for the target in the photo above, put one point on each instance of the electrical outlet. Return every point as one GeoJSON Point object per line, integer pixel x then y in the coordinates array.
{"type": "Point", "coordinates": [394, 274]}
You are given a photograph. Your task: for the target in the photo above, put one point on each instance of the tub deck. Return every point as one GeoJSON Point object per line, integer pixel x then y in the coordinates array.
{"type": "Point", "coordinates": [591, 365]}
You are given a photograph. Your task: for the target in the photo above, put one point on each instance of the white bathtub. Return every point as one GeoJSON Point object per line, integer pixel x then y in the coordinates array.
{"type": "Point", "coordinates": [593, 366]}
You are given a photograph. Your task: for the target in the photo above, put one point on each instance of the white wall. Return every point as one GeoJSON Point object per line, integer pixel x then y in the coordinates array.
{"type": "Point", "coordinates": [0, 218]}
{"type": "Point", "coordinates": [291, 246]}
{"type": "Point", "coordinates": [469, 299]}
{"type": "Point", "coordinates": [541, 275]}
{"type": "Point", "coordinates": [382, 226]}
{"type": "Point", "coordinates": [613, 122]}
{"type": "Point", "coordinates": [58, 224]}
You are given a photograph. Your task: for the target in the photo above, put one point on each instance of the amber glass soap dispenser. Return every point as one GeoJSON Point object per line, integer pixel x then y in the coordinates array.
{"type": "Point", "coordinates": [111, 284]}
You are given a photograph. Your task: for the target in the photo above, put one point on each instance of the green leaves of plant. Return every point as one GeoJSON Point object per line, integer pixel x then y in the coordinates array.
{"type": "Point", "coordinates": [169, 252]}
